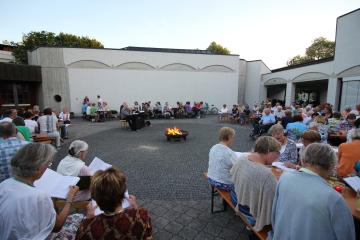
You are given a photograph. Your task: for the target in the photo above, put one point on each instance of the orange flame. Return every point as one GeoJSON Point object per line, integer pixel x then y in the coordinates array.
{"type": "Point", "coordinates": [174, 131]}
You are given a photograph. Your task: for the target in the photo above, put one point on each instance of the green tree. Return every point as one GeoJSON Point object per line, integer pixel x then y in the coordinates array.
{"type": "Point", "coordinates": [44, 38]}
{"type": "Point", "coordinates": [217, 48]}
{"type": "Point", "coordinates": [319, 49]}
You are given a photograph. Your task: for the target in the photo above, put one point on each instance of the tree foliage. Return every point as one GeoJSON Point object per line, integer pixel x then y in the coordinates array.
{"type": "Point", "coordinates": [44, 38]}
{"type": "Point", "coordinates": [217, 48]}
{"type": "Point", "coordinates": [319, 49]}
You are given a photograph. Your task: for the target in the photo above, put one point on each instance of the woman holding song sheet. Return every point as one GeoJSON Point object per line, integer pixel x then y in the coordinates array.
{"type": "Point", "coordinates": [27, 212]}
{"type": "Point", "coordinates": [108, 190]}
{"type": "Point", "coordinates": [73, 165]}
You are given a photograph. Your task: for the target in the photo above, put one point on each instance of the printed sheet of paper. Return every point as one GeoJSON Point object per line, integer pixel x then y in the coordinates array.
{"type": "Point", "coordinates": [98, 164]}
{"type": "Point", "coordinates": [55, 184]}
{"type": "Point", "coordinates": [125, 204]}
{"type": "Point", "coordinates": [282, 167]}
{"type": "Point", "coordinates": [354, 182]}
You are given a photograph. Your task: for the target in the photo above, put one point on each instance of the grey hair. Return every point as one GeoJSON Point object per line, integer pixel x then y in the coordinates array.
{"type": "Point", "coordinates": [355, 134]}
{"type": "Point", "coordinates": [76, 147]}
{"type": "Point", "coordinates": [7, 129]}
{"type": "Point", "coordinates": [347, 107]}
{"type": "Point", "coordinates": [319, 155]}
{"type": "Point", "coordinates": [276, 128]}
{"type": "Point", "coordinates": [30, 158]}
{"type": "Point", "coordinates": [313, 124]}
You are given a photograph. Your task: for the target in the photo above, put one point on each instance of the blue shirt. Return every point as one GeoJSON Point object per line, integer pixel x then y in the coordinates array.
{"type": "Point", "coordinates": [8, 148]}
{"type": "Point", "coordinates": [84, 108]}
{"type": "Point", "coordinates": [267, 118]}
{"type": "Point", "coordinates": [306, 207]}
{"type": "Point", "coordinates": [295, 130]}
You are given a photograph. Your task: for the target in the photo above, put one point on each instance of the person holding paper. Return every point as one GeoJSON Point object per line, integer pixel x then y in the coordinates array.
{"type": "Point", "coordinates": [108, 190]}
{"type": "Point", "coordinates": [305, 206]}
{"type": "Point", "coordinates": [220, 161]}
{"type": "Point", "coordinates": [27, 212]}
{"type": "Point", "coordinates": [254, 184]}
{"type": "Point", "coordinates": [73, 165]}
{"type": "Point", "coordinates": [288, 152]}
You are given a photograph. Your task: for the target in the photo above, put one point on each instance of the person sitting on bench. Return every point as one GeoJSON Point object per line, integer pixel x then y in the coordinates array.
{"type": "Point", "coordinates": [265, 123]}
{"type": "Point", "coordinates": [254, 185]}
{"type": "Point", "coordinates": [219, 160]}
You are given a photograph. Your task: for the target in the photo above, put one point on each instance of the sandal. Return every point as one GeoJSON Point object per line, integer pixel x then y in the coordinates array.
{"type": "Point", "coordinates": [66, 137]}
{"type": "Point", "coordinates": [61, 140]}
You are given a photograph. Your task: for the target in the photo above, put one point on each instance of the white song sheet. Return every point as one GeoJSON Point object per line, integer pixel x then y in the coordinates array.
{"type": "Point", "coordinates": [354, 182]}
{"type": "Point", "coordinates": [55, 184]}
{"type": "Point", "coordinates": [282, 167]}
{"type": "Point", "coordinates": [98, 164]}
{"type": "Point", "coordinates": [125, 204]}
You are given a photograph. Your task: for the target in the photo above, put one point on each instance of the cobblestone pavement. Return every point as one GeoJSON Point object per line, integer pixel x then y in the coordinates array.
{"type": "Point", "coordinates": [165, 176]}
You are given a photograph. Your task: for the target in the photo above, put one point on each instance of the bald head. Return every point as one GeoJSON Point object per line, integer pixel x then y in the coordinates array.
{"type": "Point", "coordinates": [7, 130]}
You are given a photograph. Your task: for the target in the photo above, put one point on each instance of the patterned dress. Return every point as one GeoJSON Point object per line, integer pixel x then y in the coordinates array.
{"type": "Point", "coordinates": [128, 224]}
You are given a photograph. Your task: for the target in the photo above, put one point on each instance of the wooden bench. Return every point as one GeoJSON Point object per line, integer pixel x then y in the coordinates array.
{"type": "Point", "coordinates": [43, 138]}
{"type": "Point", "coordinates": [263, 234]}
{"type": "Point", "coordinates": [60, 203]}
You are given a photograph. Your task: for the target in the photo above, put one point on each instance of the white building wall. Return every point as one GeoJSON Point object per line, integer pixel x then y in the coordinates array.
{"type": "Point", "coordinates": [347, 47]}
{"type": "Point", "coordinates": [254, 90]}
{"type": "Point", "coordinates": [119, 76]}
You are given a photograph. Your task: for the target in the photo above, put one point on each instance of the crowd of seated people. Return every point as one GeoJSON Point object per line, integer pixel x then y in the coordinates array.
{"type": "Point", "coordinates": [107, 188]}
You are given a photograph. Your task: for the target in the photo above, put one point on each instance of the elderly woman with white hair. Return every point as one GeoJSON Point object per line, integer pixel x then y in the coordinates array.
{"type": "Point", "coordinates": [27, 212]}
{"type": "Point", "coordinates": [288, 151]}
{"type": "Point", "coordinates": [327, 213]}
{"type": "Point", "coordinates": [73, 165]}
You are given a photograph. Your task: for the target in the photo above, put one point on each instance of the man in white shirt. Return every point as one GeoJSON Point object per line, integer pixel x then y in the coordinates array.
{"type": "Point", "coordinates": [99, 99]}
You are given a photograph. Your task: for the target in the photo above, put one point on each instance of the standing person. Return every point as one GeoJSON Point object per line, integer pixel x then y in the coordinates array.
{"type": "Point", "coordinates": [254, 184]}
{"type": "Point", "coordinates": [8, 148]}
{"type": "Point", "coordinates": [86, 100]}
{"type": "Point", "coordinates": [47, 124]}
{"type": "Point", "coordinates": [99, 99]}
{"type": "Point", "coordinates": [108, 190]}
{"type": "Point", "coordinates": [322, 212]}
{"type": "Point", "coordinates": [222, 112]}
{"type": "Point", "coordinates": [219, 160]}
{"type": "Point", "coordinates": [84, 107]}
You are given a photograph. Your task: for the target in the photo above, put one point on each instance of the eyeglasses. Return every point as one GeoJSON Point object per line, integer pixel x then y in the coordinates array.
{"type": "Point", "coordinates": [277, 152]}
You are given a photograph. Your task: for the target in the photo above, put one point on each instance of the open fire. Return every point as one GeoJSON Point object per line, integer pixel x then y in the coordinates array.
{"type": "Point", "coordinates": [174, 131]}
{"type": "Point", "coordinates": [176, 134]}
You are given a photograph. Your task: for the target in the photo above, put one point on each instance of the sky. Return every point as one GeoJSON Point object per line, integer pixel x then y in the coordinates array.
{"type": "Point", "coordinates": [271, 31]}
